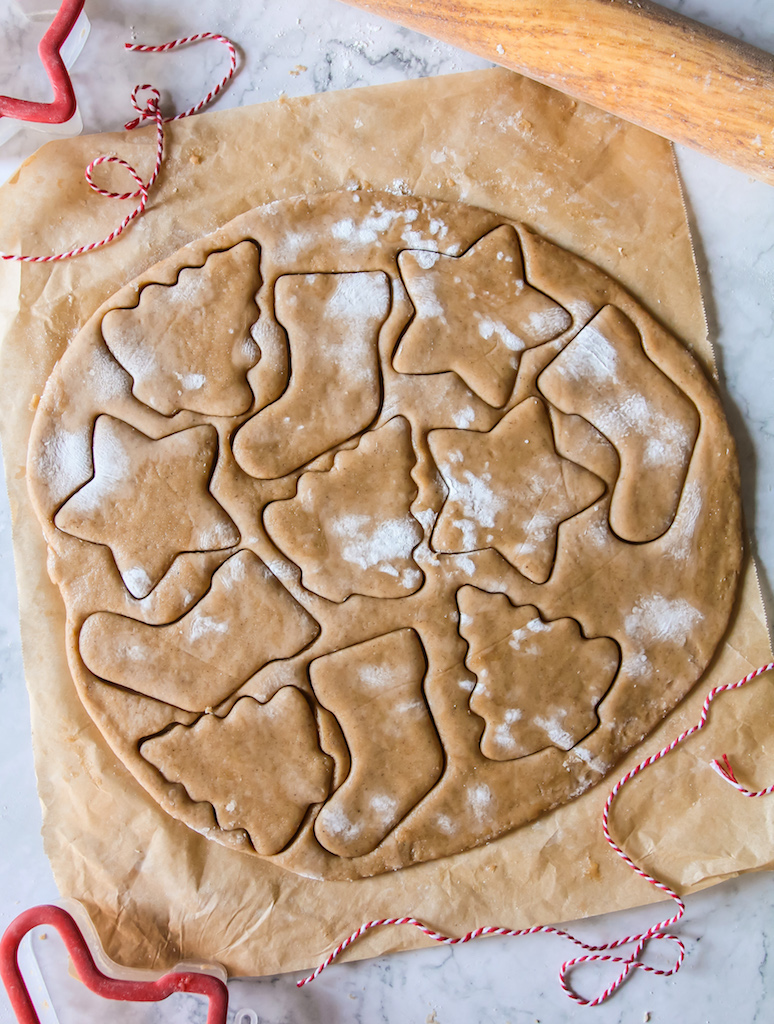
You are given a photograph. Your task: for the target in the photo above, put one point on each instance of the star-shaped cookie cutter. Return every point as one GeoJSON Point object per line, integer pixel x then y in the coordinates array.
{"type": "Point", "coordinates": [63, 106]}
{"type": "Point", "coordinates": [202, 980]}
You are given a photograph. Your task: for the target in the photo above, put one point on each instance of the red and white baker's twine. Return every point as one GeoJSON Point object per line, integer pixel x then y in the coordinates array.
{"type": "Point", "coordinates": [149, 112]}
{"type": "Point", "coordinates": [596, 954]}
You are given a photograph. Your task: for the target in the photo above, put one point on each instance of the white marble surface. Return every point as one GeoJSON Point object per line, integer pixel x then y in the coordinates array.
{"type": "Point", "coordinates": [728, 929]}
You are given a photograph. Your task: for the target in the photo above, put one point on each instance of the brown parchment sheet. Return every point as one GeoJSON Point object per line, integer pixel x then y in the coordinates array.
{"type": "Point", "coordinates": [597, 186]}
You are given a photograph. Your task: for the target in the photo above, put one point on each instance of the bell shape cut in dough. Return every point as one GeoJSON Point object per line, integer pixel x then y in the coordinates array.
{"type": "Point", "coordinates": [475, 314]}
{"type": "Point", "coordinates": [334, 391]}
{"type": "Point", "coordinates": [148, 500]}
{"type": "Point", "coordinates": [375, 691]}
{"type": "Point", "coordinates": [537, 683]}
{"type": "Point", "coordinates": [245, 620]}
{"type": "Point", "coordinates": [349, 529]}
{"type": "Point", "coordinates": [261, 766]}
{"type": "Point", "coordinates": [605, 376]}
{"type": "Point", "coordinates": [509, 489]}
{"type": "Point", "coordinates": [188, 345]}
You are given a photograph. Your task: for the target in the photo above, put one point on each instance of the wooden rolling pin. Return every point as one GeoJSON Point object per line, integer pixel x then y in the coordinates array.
{"type": "Point", "coordinates": [633, 58]}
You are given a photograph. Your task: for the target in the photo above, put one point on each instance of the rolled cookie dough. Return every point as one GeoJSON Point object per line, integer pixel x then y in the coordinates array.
{"type": "Point", "coordinates": [383, 527]}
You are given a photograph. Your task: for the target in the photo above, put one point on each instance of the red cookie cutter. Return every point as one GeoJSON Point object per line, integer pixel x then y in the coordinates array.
{"type": "Point", "coordinates": [197, 982]}
{"type": "Point", "coordinates": [63, 106]}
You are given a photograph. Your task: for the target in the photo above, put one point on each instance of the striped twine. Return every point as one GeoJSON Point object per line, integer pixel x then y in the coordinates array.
{"type": "Point", "coordinates": [148, 111]}
{"type": "Point", "coordinates": [595, 954]}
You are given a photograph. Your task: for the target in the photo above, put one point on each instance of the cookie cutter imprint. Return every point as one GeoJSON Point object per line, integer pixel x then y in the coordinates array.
{"type": "Point", "coordinates": [383, 526]}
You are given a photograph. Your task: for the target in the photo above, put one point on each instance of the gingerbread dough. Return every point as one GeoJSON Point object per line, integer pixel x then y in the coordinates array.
{"type": "Point", "coordinates": [403, 561]}
{"type": "Point", "coordinates": [375, 691]}
{"type": "Point", "coordinates": [509, 489]}
{"type": "Point", "coordinates": [148, 500]}
{"type": "Point", "coordinates": [508, 315]}
{"type": "Point", "coordinates": [231, 763]}
{"type": "Point", "coordinates": [332, 392]}
{"type": "Point", "coordinates": [536, 682]}
{"type": "Point", "coordinates": [350, 530]}
{"type": "Point", "coordinates": [639, 409]}
{"type": "Point", "coordinates": [245, 620]}
{"type": "Point", "coordinates": [206, 318]}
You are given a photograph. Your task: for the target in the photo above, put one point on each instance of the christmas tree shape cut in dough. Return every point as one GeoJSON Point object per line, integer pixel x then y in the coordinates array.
{"type": "Point", "coordinates": [245, 620]}
{"type": "Point", "coordinates": [475, 314]}
{"type": "Point", "coordinates": [188, 345]}
{"type": "Point", "coordinates": [375, 691]}
{"type": "Point", "coordinates": [509, 489]}
{"type": "Point", "coordinates": [334, 391]}
{"type": "Point", "coordinates": [538, 683]}
{"type": "Point", "coordinates": [605, 376]}
{"type": "Point", "coordinates": [148, 500]}
{"type": "Point", "coordinates": [232, 763]}
{"type": "Point", "coordinates": [350, 529]}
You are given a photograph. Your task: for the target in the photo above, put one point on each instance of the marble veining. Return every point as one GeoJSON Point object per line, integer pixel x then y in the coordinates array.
{"type": "Point", "coordinates": [303, 46]}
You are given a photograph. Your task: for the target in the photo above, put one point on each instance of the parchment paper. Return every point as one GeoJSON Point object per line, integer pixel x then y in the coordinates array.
{"type": "Point", "coordinates": [595, 185]}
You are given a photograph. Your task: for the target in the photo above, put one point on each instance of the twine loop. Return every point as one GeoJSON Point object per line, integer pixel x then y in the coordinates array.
{"type": "Point", "coordinates": [601, 953]}
{"type": "Point", "coordinates": [148, 109]}
{"type": "Point", "coordinates": [151, 108]}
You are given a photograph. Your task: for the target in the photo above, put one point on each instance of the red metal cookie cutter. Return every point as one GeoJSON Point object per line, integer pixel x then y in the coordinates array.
{"type": "Point", "coordinates": [63, 106]}
{"type": "Point", "coordinates": [109, 988]}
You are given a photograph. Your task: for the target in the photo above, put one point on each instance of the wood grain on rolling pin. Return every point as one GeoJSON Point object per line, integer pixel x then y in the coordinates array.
{"type": "Point", "coordinates": [670, 74]}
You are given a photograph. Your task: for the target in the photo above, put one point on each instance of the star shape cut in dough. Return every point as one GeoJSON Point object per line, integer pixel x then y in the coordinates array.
{"type": "Point", "coordinates": [509, 489]}
{"type": "Point", "coordinates": [475, 314]}
{"type": "Point", "coordinates": [148, 500]}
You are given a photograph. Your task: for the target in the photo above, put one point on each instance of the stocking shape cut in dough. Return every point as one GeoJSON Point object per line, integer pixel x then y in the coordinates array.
{"type": "Point", "coordinates": [148, 500]}
{"type": "Point", "coordinates": [261, 767]}
{"type": "Point", "coordinates": [509, 489]}
{"type": "Point", "coordinates": [605, 376]}
{"type": "Point", "coordinates": [245, 620]}
{"type": "Point", "coordinates": [475, 314]}
{"type": "Point", "coordinates": [350, 529]}
{"type": "Point", "coordinates": [333, 323]}
{"type": "Point", "coordinates": [538, 683]}
{"type": "Point", "coordinates": [188, 345]}
{"type": "Point", "coordinates": [375, 691]}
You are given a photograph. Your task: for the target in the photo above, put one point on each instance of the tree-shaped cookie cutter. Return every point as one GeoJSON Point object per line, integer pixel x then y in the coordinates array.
{"type": "Point", "coordinates": [108, 980]}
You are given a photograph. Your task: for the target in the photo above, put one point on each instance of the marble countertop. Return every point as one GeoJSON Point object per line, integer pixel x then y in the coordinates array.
{"type": "Point", "coordinates": [302, 46]}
